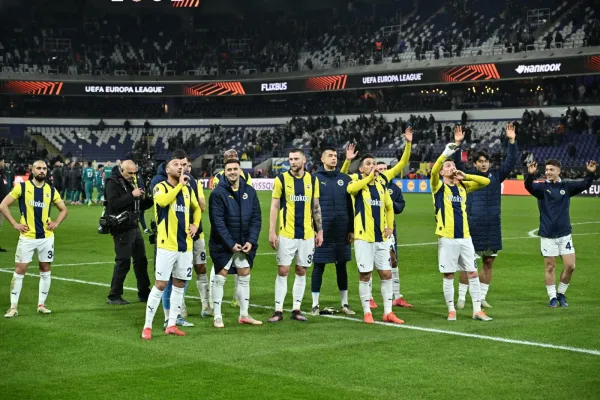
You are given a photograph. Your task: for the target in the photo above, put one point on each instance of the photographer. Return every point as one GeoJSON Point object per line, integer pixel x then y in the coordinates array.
{"type": "Point", "coordinates": [124, 203]}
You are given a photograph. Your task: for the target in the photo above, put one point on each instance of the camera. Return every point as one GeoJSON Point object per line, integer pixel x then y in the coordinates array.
{"type": "Point", "coordinates": [107, 222]}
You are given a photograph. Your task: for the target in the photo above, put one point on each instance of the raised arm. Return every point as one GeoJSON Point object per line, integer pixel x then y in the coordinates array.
{"type": "Point", "coordinates": [576, 187]}
{"type": "Point", "coordinates": [351, 154]}
{"type": "Point", "coordinates": [397, 169]}
{"type": "Point", "coordinates": [162, 197]}
{"type": "Point", "coordinates": [512, 152]}
{"type": "Point", "coordinates": [474, 182]}
{"type": "Point", "coordinates": [355, 187]}
{"type": "Point", "coordinates": [535, 189]}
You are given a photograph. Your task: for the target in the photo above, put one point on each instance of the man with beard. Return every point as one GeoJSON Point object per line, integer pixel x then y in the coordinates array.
{"type": "Point", "coordinates": [36, 198]}
{"type": "Point", "coordinates": [235, 220]}
{"type": "Point", "coordinates": [338, 229]}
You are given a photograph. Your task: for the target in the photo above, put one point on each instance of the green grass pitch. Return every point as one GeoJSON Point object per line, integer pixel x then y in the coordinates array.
{"type": "Point", "coordinates": [89, 350]}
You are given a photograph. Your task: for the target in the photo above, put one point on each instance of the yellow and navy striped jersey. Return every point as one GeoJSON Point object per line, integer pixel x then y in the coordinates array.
{"type": "Point", "coordinates": [35, 205]}
{"type": "Point", "coordinates": [373, 209]}
{"type": "Point", "coordinates": [175, 208]}
{"type": "Point", "coordinates": [295, 206]}
{"type": "Point", "coordinates": [245, 176]}
{"type": "Point", "coordinates": [450, 202]}
{"type": "Point", "coordinates": [199, 192]}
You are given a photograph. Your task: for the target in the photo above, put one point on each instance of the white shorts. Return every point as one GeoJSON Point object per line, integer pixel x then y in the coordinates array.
{"type": "Point", "coordinates": [26, 247]}
{"type": "Point", "coordinates": [174, 263]}
{"type": "Point", "coordinates": [199, 252]}
{"type": "Point", "coordinates": [238, 261]}
{"type": "Point", "coordinates": [301, 249]}
{"type": "Point", "coordinates": [369, 255]}
{"type": "Point", "coordinates": [486, 253]}
{"type": "Point", "coordinates": [456, 255]}
{"type": "Point", "coordinates": [554, 247]}
{"type": "Point", "coordinates": [392, 243]}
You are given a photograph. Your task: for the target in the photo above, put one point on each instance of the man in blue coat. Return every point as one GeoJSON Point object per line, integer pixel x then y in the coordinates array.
{"type": "Point", "coordinates": [554, 199]}
{"type": "Point", "coordinates": [483, 210]}
{"type": "Point", "coordinates": [399, 204]}
{"type": "Point", "coordinates": [235, 220]}
{"type": "Point", "coordinates": [338, 229]}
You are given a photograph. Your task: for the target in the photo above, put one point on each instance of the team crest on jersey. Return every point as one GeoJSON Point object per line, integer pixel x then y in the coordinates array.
{"type": "Point", "coordinates": [390, 191]}
{"type": "Point", "coordinates": [156, 190]}
{"type": "Point", "coordinates": [47, 195]}
{"type": "Point", "coordinates": [245, 196]}
{"type": "Point", "coordinates": [562, 192]}
{"type": "Point", "coordinates": [340, 182]}
{"type": "Point", "coordinates": [308, 187]}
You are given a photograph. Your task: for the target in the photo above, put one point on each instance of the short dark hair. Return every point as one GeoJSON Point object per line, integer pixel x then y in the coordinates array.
{"type": "Point", "coordinates": [364, 157]}
{"type": "Point", "coordinates": [178, 154]}
{"type": "Point", "coordinates": [381, 163]}
{"type": "Point", "coordinates": [328, 148]}
{"type": "Point", "coordinates": [100, 166]}
{"type": "Point", "coordinates": [89, 163]}
{"type": "Point", "coordinates": [231, 161]}
{"type": "Point", "coordinates": [481, 153]}
{"type": "Point", "coordinates": [297, 150]}
{"type": "Point", "coordinates": [554, 162]}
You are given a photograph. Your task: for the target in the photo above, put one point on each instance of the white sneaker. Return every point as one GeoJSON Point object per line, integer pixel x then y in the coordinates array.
{"type": "Point", "coordinates": [481, 316]}
{"type": "Point", "coordinates": [347, 310]}
{"type": "Point", "coordinates": [460, 304]}
{"type": "Point", "coordinates": [11, 313]}
{"type": "Point", "coordinates": [43, 310]}
{"type": "Point", "coordinates": [183, 312]}
{"type": "Point", "coordinates": [315, 310]}
{"type": "Point", "coordinates": [485, 304]}
{"type": "Point", "coordinates": [218, 323]}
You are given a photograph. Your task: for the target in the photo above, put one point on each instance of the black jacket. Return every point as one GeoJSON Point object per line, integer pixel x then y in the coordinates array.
{"type": "Point", "coordinates": [3, 185]}
{"type": "Point", "coordinates": [57, 180]}
{"type": "Point", "coordinates": [119, 198]}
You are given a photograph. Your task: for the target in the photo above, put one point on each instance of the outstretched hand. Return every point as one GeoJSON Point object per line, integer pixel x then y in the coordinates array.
{"type": "Point", "coordinates": [459, 135]}
{"type": "Point", "coordinates": [532, 168]}
{"type": "Point", "coordinates": [408, 134]}
{"type": "Point", "coordinates": [591, 166]}
{"type": "Point", "coordinates": [511, 133]}
{"type": "Point", "coordinates": [351, 153]}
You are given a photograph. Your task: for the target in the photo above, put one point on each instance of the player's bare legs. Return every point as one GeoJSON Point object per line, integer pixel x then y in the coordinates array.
{"type": "Point", "coordinates": [565, 278]}
{"type": "Point", "coordinates": [550, 279]}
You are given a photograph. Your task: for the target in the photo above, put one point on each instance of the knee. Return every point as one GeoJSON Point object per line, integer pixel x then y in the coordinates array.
{"type": "Point", "coordinates": [283, 271]}
{"type": "Point", "coordinates": [178, 283]}
{"type": "Point", "coordinates": [160, 285]}
{"type": "Point", "coordinates": [449, 276]}
{"type": "Point", "coordinates": [200, 269]}
{"type": "Point", "coordinates": [365, 276]}
{"type": "Point", "coordinates": [300, 271]}
{"type": "Point", "coordinates": [472, 274]}
{"type": "Point", "coordinates": [570, 267]}
{"type": "Point", "coordinates": [386, 275]}
{"type": "Point", "coordinates": [550, 266]}
{"type": "Point", "coordinates": [44, 267]}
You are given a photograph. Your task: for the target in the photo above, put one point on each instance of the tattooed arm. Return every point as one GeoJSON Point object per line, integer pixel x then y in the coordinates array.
{"type": "Point", "coordinates": [318, 221]}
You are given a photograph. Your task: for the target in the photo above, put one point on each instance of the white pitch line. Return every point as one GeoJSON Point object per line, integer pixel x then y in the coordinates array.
{"type": "Point", "coordinates": [412, 327]}
{"type": "Point", "coordinates": [532, 232]}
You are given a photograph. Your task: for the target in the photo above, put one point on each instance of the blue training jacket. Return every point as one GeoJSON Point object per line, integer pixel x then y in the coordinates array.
{"type": "Point", "coordinates": [235, 217]}
{"type": "Point", "coordinates": [484, 205]}
{"type": "Point", "coordinates": [338, 217]}
{"type": "Point", "coordinates": [398, 202]}
{"type": "Point", "coordinates": [554, 199]}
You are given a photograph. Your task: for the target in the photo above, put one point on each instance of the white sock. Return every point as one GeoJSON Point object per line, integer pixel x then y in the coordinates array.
{"type": "Point", "coordinates": [315, 297]}
{"type": "Point", "coordinates": [364, 291]}
{"type": "Point", "coordinates": [551, 289]}
{"type": "Point", "coordinates": [449, 293]}
{"type": "Point", "coordinates": [475, 290]}
{"type": "Point", "coordinates": [387, 294]}
{"type": "Point", "coordinates": [217, 284]}
{"type": "Point", "coordinates": [396, 283]}
{"type": "Point", "coordinates": [202, 283]}
{"type": "Point", "coordinates": [176, 301]}
{"type": "Point", "coordinates": [344, 297]}
{"type": "Point", "coordinates": [562, 287]}
{"type": "Point", "coordinates": [371, 287]}
{"type": "Point", "coordinates": [154, 299]}
{"type": "Point", "coordinates": [166, 313]}
{"type": "Point", "coordinates": [483, 289]}
{"type": "Point", "coordinates": [243, 294]}
{"type": "Point", "coordinates": [44, 287]}
{"type": "Point", "coordinates": [298, 291]}
{"type": "Point", "coordinates": [210, 286]}
{"type": "Point", "coordinates": [463, 288]}
{"type": "Point", "coordinates": [235, 287]}
{"type": "Point", "coordinates": [16, 284]}
{"type": "Point", "coordinates": [281, 287]}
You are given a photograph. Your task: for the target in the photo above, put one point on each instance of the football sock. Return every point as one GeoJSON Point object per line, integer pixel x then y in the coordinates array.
{"type": "Point", "coordinates": [562, 287]}
{"type": "Point", "coordinates": [396, 283]}
{"type": "Point", "coordinates": [16, 284]}
{"type": "Point", "coordinates": [344, 297]}
{"type": "Point", "coordinates": [166, 297]}
{"type": "Point", "coordinates": [316, 278]}
{"type": "Point", "coordinates": [217, 284]}
{"type": "Point", "coordinates": [341, 273]}
{"type": "Point", "coordinates": [243, 294]}
{"type": "Point", "coordinates": [298, 291]}
{"type": "Point", "coordinates": [176, 300]}
{"type": "Point", "coordinates": [463, 288]}
{"type": "Point", "coordinates": [151, 306]}
{"type": "Point", "coordinates": [281, 287]}
{"type": "Point", "coordinates": [364, 291]}
{"type": "Point", "coordinates": [315, 297]}
{"type": "Point", "coordinates": [371, 287]}
{"type": "Point", "coordinates": [387, 294]}
{"type": "Point", "coordinates": [449, 293]}
{"type": "Point", "coordinates": [202, 283]}
{"type": "Point", "coordinates": [44, 287]}
{"type": "Point", "coordinates": [235, 286]}
{"type": "Point", "coordinates": [483, 288]}
{"type": "Point", "coordinates": [551, 289]}
{"type": "Point", "coordinates": [474, 288]}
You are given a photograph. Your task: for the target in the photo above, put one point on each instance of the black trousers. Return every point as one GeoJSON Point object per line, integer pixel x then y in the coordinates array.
{"type": "Point", "coordinates": [128, 245]}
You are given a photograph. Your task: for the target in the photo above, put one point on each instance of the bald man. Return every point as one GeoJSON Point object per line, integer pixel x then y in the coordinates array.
{"type": "Point", "coordinates": [123, 196]}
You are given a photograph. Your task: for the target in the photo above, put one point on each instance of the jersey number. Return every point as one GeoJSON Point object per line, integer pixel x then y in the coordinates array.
{"type": "Point", "coordinates": [568, 246]}
{"type": "Point", "coordinates": [203, 256]}
{"type": "Point", "coordinates": [310, 257]}
{"type": "Point", "coordinates": [189, 272]}
{"type": "Point", "coordinates": [90, 174]}
{"type": "Point", "coordinates": [50, 254]}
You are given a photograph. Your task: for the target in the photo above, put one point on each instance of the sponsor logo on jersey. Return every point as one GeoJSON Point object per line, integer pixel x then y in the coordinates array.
{"type": "Point", "coordinates": [180, 208]}
{"type": "Point", "coordinates": [37, 204]}
{"type": "Point", "coordinates": [375, 203]}
{"type": "Point", "coordinates": [298, 197]}
{"type": "Point", "coordinates": [454, 199]}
